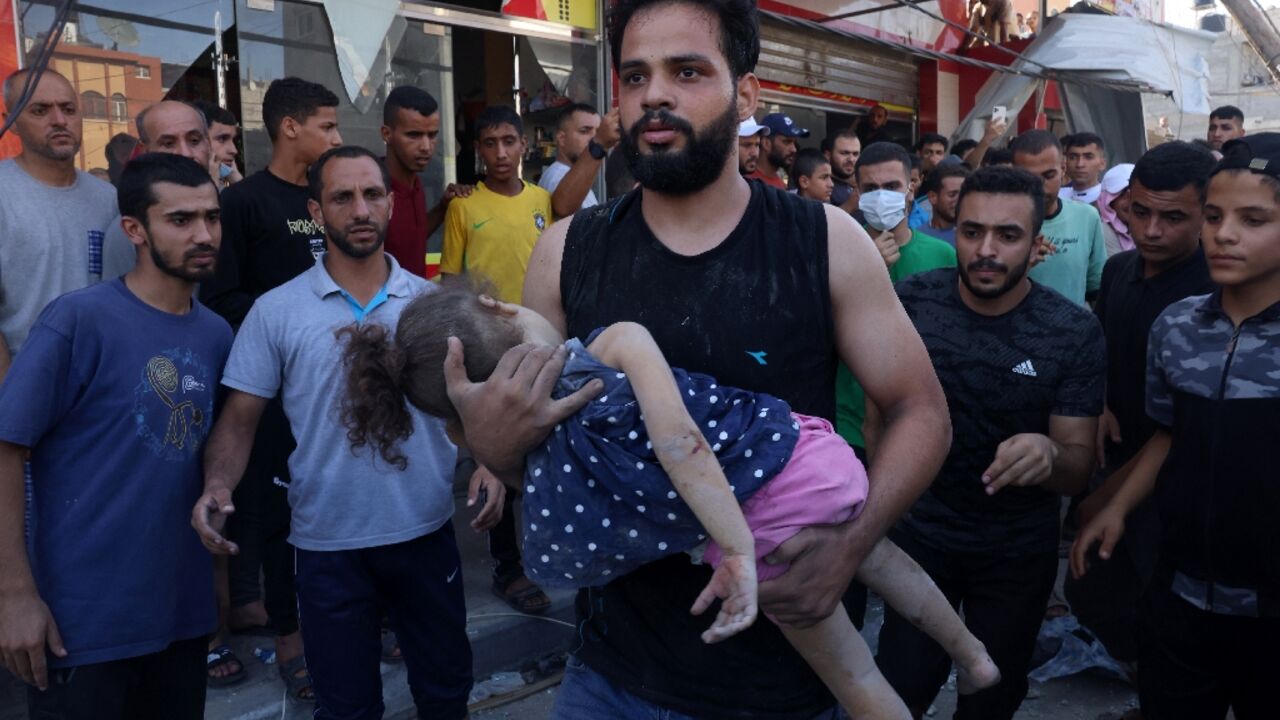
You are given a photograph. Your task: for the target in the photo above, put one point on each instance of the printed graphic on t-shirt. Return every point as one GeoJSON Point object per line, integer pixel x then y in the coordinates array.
{"type": "Point", "coordinates": [314, 231]}
{"type": "Point", "coordinates": [173, 404]}
{"type": "Point", "coordinates": [539, 220]}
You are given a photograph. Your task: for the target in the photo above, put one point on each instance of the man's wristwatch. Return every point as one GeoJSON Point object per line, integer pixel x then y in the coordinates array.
{"type": "Point", "coordinates": [597, 150]}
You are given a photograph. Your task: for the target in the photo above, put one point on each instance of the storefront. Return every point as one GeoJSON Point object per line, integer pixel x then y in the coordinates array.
{"type": "Point", "coordinates": [123, 55]}
{"type": "Point", "coordinates": [827, 81]}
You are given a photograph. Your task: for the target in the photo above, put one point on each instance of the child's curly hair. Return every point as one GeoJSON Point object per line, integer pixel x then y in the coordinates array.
{"type": "Point", "coordinates": [384, 369]}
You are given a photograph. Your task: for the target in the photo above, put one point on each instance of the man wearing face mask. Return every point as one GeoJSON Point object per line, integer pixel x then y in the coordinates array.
{"type": "Point", "coordinates": [882, 177]}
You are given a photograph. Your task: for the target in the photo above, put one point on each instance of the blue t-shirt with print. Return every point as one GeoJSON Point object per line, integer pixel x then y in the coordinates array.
{"type": "Point", "coordinates": [115, 398]}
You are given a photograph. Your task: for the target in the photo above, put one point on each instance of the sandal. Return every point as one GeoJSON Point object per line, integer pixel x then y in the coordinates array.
{"type": "Point", "coordinates": [391, 648]}
{"type": "Point", "coordinates": [299, 688]}
{"type": "Point", "coordinates": [522, 595]}
{"type": "Point", "coordinates": [219, 657]}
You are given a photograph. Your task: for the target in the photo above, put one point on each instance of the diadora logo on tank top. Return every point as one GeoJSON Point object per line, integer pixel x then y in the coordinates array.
{"type": "Point", "coordinates": [759, 356]}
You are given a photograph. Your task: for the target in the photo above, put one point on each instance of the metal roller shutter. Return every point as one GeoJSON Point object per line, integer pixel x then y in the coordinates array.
{"type": "Point", "coordinates": [834, 64]}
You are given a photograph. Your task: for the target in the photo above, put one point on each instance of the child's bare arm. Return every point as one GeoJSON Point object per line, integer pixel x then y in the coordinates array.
{"type": "Point", "coordinates": [677, 441]}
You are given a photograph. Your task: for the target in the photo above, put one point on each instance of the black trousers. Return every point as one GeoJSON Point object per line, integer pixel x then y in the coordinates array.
{"type": "Point", "coordinates": [260, 525]}
{"type": "Point", "coordinates": [167, 685]}
{"type": "Point", "coordinates": [1194, 665]}
{"type": "Point", "coordinates": [1003, 600]}
{"type": "Point", "coordinates": [343, 596]}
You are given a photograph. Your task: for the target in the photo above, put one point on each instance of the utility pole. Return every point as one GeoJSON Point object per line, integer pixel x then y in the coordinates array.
{"type": "Point", "coordinates": [1259, 31]}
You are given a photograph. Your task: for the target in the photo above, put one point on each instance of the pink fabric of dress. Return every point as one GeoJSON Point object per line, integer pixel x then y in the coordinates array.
{"type": "Point", "coordinates": [824, 483]}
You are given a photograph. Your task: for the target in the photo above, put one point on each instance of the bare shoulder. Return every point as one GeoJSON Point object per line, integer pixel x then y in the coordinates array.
{"type": "Point", "coordinates": [853, 257]}
{"type": "Point", "coordinates": [542, 281]}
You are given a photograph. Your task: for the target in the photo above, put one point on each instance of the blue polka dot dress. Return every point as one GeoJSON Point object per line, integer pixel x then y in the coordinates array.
{"type": "Point", "coordinates": [597, 503]}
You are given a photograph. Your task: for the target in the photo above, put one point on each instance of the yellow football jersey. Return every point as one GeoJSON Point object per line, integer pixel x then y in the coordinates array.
{"type": "Point", "coordinates": [493, 235]}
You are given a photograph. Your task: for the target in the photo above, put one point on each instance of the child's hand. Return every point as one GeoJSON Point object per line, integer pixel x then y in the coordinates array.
{"type": "Point", "coordinates": [734, 582]}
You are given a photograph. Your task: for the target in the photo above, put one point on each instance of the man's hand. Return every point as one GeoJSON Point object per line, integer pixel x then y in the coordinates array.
{"type": "Point", "coordinates": [495, 494]}
{"type": "Point", "coordinates": [995, 128]}
{"type": "Point", "coordinates": [209, 517]}
{"type": "Point", "coordinates": [610, 130]}
{"type": "Point", "coordinates": [734, 582]}
{"type": "Point", "coordinates": [506, 415]}
{"type": "Point", "coordinates": [1022, 460]}
{"type": "Point", "coordinates": [888, 247]}
{"type": "Point", "coordinates": [1108, 429]}
{"type": "Point", "coordinates": [26, 627]}
{"type": "Point", "coordinates": [822, 566]}
{"type": "Point", "coordinates": [1105, 529]}
{"type": "Point", "coordinates": [454, 191]}
{"type": "Point", "coordinates": [1043, 250]}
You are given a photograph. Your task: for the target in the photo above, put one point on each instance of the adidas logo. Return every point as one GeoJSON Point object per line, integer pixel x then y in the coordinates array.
{"type": "Point", "coordinates": [1025, 368]}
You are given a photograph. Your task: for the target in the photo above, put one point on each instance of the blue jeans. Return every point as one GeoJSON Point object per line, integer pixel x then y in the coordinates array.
{"type": "Point", "coordinates": [586, 695]}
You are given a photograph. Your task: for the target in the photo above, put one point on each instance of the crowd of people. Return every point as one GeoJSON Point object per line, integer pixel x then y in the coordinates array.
{"type": "Point", "coordinates": [766, 379]}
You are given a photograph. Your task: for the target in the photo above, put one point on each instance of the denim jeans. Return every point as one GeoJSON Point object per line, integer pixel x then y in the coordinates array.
{"type": "Point", "coordinates": [586, 695]}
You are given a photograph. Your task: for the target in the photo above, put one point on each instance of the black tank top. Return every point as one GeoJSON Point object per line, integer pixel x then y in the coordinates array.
{"type": "Point", "coordinates": [754, 312]}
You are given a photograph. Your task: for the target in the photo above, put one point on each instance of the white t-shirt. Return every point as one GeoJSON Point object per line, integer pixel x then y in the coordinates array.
{"type": "Point", "coordinates": [552, 176]}
{"type": "Point", "coordinates": [1088, 196]}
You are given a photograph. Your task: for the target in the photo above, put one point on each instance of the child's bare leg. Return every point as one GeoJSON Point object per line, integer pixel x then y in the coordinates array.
{"type": "Point", "coordinates": [909, 590]}
{"type": "Point", "coordinates": [841, 658]}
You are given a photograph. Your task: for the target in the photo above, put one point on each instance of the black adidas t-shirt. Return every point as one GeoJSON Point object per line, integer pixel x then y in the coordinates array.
{"type": "Point", "coordinates": [1002, 376]}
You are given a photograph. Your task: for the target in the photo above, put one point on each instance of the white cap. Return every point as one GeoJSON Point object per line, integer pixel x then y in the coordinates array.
{"type": "Point", "coordinates": [750, 127]}
{"type": "Point", "coordinates": [1117, 178]}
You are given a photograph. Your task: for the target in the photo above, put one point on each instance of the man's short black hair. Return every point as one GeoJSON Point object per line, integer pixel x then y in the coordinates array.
{"type": "Point", "coordinates": [1034, 142]}
{"type": "Point", "coordinates": [567, 112]}
{"type": "Point", "coordinates": [1172, 166]}
{"type": "Point", "coordinates": [739, 29]}
{"type": "Point", "coordinates": [883, 152]}
{"type": "Point", "coordinates": [293, 97]}
{"type": "Point", "coordinates": [933, 183]}
{"type": "Point", "coordinates": [997, 156]}
{"type": "Point", "coordinates": [1227, 112]}
{"type": "Point", "coordinates": [1083, 139]}
{"type": "Point", "coordinates": [962, 147]}
{"type": "Point", "coordinates": [933, 139]}
{"type": "Point", "coordinates": [828, 143]}
{"type": "Point", "coordinates": [807, 163]}
{"type": "Point", "coordinates": [315, 174]}
{"type": "Point", "coordinates": [1007, 181]}
{"type": "Point", "coordinates": [916, 162]}
{"type": "Point", "coordinates": [213, 113]}
{"type": "Point", "coordinates": [495, 116]}
{"type": "Point", "coordinates": [408, 97]}
{"type": "Point", "coordinates": [134, 191]}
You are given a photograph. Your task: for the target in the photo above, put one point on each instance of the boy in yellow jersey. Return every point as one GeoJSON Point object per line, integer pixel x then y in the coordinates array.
{"type": "Point", "coordinates": [492, 232]}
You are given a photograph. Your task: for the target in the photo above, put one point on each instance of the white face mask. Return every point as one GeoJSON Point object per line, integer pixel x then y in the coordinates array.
{"type": "Point", "coordinates": [883, 209]}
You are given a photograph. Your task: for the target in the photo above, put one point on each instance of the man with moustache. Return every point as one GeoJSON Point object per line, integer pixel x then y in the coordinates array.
{"type": "Point", "coordinates": [411, 130]}
{"type": "Point", "coordinates": [52, 216]}
{"type": "Point", "coordinates": [168, 126]}
{"type": "Point", "coordinates": [1023, 372]}
{"type": "Point", "coordinates": [749, 134]}
{"type": "Point", "coordinates": [370, 537]}
{"type": "Point", "coordinates": [778, 149]}
{"type": "Point", "coordinates": [1166, 266]}
{"type": "Point", "coordinates": [113, 396]}
{"type": "Point", "coordinates": [845, 149]}
{"type": "Point", "coordinates": [698, 256]}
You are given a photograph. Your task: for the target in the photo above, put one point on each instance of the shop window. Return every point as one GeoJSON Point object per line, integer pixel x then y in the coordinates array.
{"type": "Point", "coordinates": [119, 108]}
{"type": "Point", "coordinates": [123, 55]}
{"type": "Point", "coordinates": [93, 104]}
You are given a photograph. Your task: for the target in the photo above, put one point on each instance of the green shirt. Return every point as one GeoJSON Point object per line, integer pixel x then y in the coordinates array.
{"type": "Point", "coordinates": [922, 254]}
{"type": "Point", "coordinates": [1075, 267]}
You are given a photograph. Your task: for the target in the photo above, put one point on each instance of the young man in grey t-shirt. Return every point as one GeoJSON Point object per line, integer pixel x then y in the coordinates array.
{"type": "Point", "coordinates": [52, 216]}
